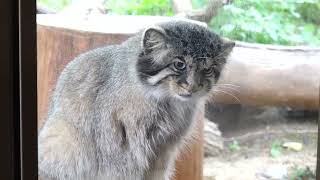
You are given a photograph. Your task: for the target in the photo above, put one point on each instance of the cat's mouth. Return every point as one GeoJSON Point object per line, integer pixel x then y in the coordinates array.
{"type": "Point", "coordinates": [186, 95]}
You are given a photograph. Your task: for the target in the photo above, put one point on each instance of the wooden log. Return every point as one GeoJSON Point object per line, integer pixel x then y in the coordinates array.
{"type": "Point", "coordinates": [267, 75]}
{"type": "Point", "coordinates": [189, 163]}
{"type": "Point", "coordinates": [60, 39]}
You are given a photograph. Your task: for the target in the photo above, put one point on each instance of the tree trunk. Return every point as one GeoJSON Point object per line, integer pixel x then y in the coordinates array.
{"type": "Point", "coordinates": [184, 8]}
{"type": "Point", "coordinates": [180, 6]}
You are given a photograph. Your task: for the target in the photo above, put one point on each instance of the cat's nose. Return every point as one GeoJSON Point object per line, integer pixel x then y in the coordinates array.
{"type": "Point", "coordinates": [195, 88]}
{"type": "Point", "coordinates": [190, 88]}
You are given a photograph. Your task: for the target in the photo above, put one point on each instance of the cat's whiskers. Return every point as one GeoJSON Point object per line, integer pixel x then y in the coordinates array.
{"type": "Point", "coordinates": [220, 63]}
{"type": "Point", "coordinates": [228, 86]}
{"type": "Point", "coordinates": [220, 55]}
{"type": "Point", "coordinates": [230, 94]}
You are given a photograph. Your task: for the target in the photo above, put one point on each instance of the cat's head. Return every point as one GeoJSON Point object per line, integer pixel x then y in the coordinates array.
{"type": "Point", "coordinates": [181, 59]}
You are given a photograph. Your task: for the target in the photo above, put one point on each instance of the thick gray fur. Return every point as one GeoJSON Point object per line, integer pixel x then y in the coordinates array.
{"type": "Point", "coordinates": [114, 116]}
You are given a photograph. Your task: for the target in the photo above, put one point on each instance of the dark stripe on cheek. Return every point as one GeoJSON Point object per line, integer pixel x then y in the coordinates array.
{"type": "Point", "coordinates": [216, 74]}
{"type": "Point", "coordinates": [146, 67]}
{"type": "Point", "coordinates": [209, 84]}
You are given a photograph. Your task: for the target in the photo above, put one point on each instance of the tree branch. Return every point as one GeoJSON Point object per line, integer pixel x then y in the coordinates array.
{"type": "Point", "coordinates": [184, 8]}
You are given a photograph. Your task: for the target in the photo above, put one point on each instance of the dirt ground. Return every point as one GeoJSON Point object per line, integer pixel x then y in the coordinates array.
{"type": "Point", "coordinates": [258, 131]}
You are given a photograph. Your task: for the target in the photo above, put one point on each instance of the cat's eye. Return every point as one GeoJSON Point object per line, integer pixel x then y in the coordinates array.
{"type": "Point", "coordinates": [180, 65]}
{"type": "Point", "coordinates": [208, 71]}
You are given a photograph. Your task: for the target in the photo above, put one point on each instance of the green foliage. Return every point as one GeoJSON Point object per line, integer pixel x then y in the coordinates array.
{"type": "Point", "coordinates": [276, 148]}
{"type": "Point", "coordinates": [268, 22]}
{"type": "Point", "coordinates": [56, 5]}
{"type": "Point", "coordinates": [140, 7]}
{"type": "Point", "coordinates": [234, 146]}
{"type": "Point", "coordinates": [302, 173]}
{"type": "Point", "coordinates": [310, 11]}
{"type": "Point", "coordinates": [197, 4]}
{"type": "Point", "coordinates": [285, 22]}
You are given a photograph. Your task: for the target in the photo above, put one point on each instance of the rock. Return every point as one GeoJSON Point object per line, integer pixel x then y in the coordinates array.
{"type": "Point", "coordinates": [275, 172]}
{"type": "Point", "coordinates": [213, 141]}
{"type": "Point", "coordinates": [296, 146]}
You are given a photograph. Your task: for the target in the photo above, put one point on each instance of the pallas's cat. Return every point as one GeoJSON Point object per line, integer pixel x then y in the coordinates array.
{"type": "Point", "coordinates": [122, 112]}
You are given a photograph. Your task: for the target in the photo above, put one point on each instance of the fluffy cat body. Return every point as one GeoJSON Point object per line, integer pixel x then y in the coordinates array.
{"type": "Point", "coordinates": [120, 113]}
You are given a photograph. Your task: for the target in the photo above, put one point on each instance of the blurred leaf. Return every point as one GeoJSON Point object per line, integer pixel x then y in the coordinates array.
{"type": "Point", "coordinates": [234, 146]}
{"type": "Point", "coordinates": [197, 4]}
{"type": "Point", "coordinates": [296, 146]}
{"type": "Point", "coordinates": [302, 173]}
{"type": "Point", "coordinates": [140, 7]}
{"type": "Point", "coordinates": [276, 148]}
{"type": "Point", "coordinates": [56, 5]}
{"type": "Point", "coordinates": [275, 152]}
{"type": "Point", "coordinates": [228, 27]}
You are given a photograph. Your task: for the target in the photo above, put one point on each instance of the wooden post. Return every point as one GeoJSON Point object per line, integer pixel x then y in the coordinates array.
{"type": "Point", "coordinates": [60, 43]}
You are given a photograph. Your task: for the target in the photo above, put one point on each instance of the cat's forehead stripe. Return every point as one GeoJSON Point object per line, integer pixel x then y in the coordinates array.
{"type": "Point", "coordinates": [192, 39]}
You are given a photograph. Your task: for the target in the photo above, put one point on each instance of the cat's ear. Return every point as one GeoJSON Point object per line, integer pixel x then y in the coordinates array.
{"type": "Point", "coordinates": [154, 38]}
{"type": "Point", "coordinates": [227, 45]}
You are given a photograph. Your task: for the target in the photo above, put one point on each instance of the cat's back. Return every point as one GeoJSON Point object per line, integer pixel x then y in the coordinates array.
{"type": "Point", "coordinates": [93, 65]}
{"type": "Point", "coordinates": [101, 66]}
{"type": "Point", "coordinates": [89, 72]}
